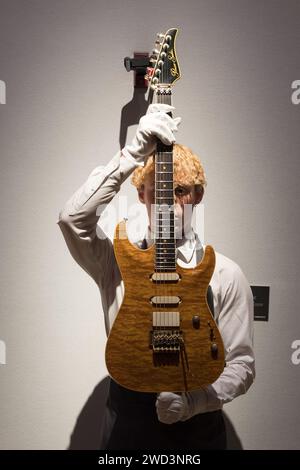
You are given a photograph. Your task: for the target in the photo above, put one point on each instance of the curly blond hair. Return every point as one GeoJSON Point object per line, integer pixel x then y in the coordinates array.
{"type": "Point", "coordinates": [188, 169]}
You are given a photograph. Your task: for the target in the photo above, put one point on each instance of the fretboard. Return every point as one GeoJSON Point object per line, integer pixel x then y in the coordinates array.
{"type": "Point", "coordinates": [165, 243]}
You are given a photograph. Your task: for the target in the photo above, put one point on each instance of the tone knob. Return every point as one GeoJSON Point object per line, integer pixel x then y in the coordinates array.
{"type": "Point", "coordinates": [214, 350]}
{"type": "Point", "coordinates": [196, 322]}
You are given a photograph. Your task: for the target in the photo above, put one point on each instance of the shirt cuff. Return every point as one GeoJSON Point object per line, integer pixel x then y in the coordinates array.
{"type": "Point", "coordinates": [130, 158]}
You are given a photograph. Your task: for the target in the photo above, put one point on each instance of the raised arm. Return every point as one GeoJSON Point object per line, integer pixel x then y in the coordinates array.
{"type": "Point", "coordinates": [79, 217]}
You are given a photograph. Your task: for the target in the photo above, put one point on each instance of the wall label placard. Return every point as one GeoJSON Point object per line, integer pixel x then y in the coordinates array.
{"type": "Point", "coordinates": [261, 297]}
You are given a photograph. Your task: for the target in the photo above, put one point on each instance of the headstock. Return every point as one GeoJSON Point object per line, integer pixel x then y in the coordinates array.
{"type": "Point", "coordinates": [165, 70]}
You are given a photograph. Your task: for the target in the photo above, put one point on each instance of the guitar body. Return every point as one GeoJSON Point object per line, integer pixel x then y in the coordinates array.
{"type": "Point", "coordinates": [130, 359]}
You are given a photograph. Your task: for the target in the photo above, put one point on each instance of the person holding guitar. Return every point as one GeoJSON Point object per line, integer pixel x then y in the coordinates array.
{"type": "Point", "coordinates": [173, 361]}
{"type": "Point", "coordinates": [167, 420]}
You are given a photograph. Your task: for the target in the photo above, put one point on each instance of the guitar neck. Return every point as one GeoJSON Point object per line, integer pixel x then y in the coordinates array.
{"type": "Point", "coordinates": [164, 223]}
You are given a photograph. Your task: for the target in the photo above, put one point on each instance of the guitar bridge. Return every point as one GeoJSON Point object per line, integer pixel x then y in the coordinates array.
{"type": "Point", "coordinates": [166, 338]}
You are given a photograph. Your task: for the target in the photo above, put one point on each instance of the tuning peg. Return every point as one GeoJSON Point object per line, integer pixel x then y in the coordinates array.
{"type": "Point", "coordinates": [152, 60]}
{"type": "Point", "coordinates": [160, 35]}
{"type": "Point", "coordinates": [155, 52]}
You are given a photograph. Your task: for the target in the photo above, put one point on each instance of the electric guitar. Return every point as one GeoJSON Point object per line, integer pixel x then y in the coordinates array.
{"type": "Point", "coordinates": [164, 337]}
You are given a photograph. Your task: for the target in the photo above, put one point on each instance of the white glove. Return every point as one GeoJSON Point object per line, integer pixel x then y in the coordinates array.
{"type": "Point", "coordinates": [155, 124]}
{"type": "Point", "coordinates": [173, 407]}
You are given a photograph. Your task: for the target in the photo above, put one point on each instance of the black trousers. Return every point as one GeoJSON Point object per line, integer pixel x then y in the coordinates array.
{"type": "Point", "coordinates": [131, 423]}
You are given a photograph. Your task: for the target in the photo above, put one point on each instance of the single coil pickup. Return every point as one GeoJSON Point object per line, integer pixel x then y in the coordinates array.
{"type": "Point", "coordinates": [165, 278]}
{"type": "Point", "coordinates": [166, 319]}
{"type": "Point", "coordinates": [165, 301]}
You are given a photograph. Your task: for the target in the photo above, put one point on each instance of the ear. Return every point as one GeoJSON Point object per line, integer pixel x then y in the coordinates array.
{"type": "Point", "coordinates": [199, 192]}
{"type": "Point", "coordinates": [141, 194]}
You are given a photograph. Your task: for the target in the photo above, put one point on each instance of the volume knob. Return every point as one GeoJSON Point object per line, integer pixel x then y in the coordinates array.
{"type": "Point", "coordinates": [196, 322]}
{"type": "Point", "coordinates": [214, 350]}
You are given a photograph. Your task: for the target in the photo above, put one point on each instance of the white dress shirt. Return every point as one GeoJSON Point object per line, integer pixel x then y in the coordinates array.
{"type": "Point", "coordinates": [233, 300]}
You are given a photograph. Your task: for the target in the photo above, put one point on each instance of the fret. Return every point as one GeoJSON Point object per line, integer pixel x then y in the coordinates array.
{"type": "Point", "coordinates": [160, 179]}
{"type": "Point", "coordinates": [169, 249]}
{"type": "Point", "coordinates": [165, 251]}
{"type": "Point", "coordinates": [157, 163]}
{"type": "Point", "coordinates": [160, 232]}
{"type": "Point", "coordinates": [166, 155]}
{"type": "Point", "coordinates": [164, 227]}
{"type": "Point", "coordinates": [167, 158]}
{"type": "Point", "coordinates": [161, 197]}
{"type": "Point", "coordinates": [165, 181]}
{"type": "Point", "coordinates": [163, 266]}
{"type": "Point", "coordinates": [164, 220]}
{"type": "Point", "coordinates": [164, 246]}
{"type": "Point", "coordinates": [160, 207]}
{"type": "Point", "coordinates": [167, 268]}
{"type": "Point", "coordinates": [164, 243]}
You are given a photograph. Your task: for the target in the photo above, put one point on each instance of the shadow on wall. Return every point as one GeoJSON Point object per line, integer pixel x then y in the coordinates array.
{"type": "Point", "coordinates": [88, 431]}
{"type": "Point", "coordinates": [132, 112]}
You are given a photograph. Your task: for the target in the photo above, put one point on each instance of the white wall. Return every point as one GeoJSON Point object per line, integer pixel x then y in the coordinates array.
{"type": "Point", "coordinates": [62, 63]}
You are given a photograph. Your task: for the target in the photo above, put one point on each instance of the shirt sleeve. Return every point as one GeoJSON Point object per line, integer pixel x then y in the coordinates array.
{"type": "Point", "coordinates": [87, 243]}
{"type": "Point", "coordinates": [235, 322]}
